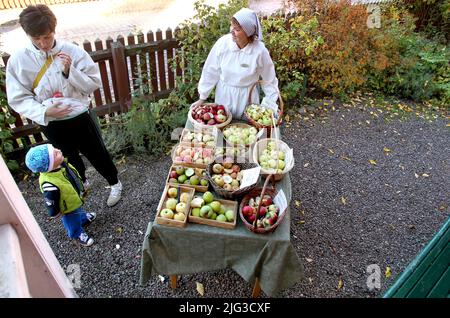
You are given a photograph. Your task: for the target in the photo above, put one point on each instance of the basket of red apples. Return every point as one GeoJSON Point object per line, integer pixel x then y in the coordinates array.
{"type": "Point", "coordinates": [209, 114]}
{"type": "Point", "coordinates": [258, 211]}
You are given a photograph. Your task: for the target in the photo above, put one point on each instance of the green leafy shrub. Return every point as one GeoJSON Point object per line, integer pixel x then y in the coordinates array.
{"type": "Point", "coordinates": [6, 144]}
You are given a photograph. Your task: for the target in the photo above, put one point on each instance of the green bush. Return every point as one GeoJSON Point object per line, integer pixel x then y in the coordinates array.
{"type": "Point", "coordinates": [6, 144]}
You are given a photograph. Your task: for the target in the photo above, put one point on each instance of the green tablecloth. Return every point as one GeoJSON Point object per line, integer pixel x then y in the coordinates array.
{"type": "Point", "coordinates": [199, 248]}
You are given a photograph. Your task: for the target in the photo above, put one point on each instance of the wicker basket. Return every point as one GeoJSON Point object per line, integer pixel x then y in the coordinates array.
{"type": "Point", "coordinates": [260, 192]}
{"type": "Point", "coordinates": [196, 124]}
{"type": "Point", "coordinates": [225, 193]}
{"type": "Point", "coordinates": [254, 122]}
{"type": "Point", "coordinates": [240, 125]}
{"type": "Point", "coordinates": [260, 146]}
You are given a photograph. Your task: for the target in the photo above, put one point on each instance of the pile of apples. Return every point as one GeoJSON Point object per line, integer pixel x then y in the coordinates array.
{"type": "Point", "coordinates": [227, 175]}
{"type": "Point", "coordinates": [199, 138]}
{"type": "Point", "coordinates": [267, 214]}
{"type": "Point", "coordinates": [173, 209]}
{"type": "Point", "coordinates": [188, 176]}
{"type": "Point", "coordinates": [260, 114]}
{"type": "Point", "coordinates": [272, 158]}
{"type": "Point", "coordinates": [208, 208]}
{"type": "Point", "coordinates": [196, 155]}
{"type": "Point", "coordinates": [209, 114]}
{"type": "Point", "coordinates": [240, 136]}
{"type": "Point", "coordinates": [230, 151]}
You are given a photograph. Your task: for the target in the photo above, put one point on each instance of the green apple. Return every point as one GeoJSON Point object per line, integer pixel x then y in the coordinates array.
{"type": "Point", "coordinates": [166, 213]}
{"type": "Point", "coordinates": [196, 212]}
{"type": "Point", "coordinates": [189, 172]}
{"type": "Point", "coordinates": [221, 218]}
{"type": "Point", "coordinates": [179, 170]}
{"type": "Point", "coordinates": [194, 180]}
{"type": "Point", "coordinates": [213, 216]}
{"type": "Point", "coordinates": [180, 207]}
{"type": "Point", "coordinates": [222, 209]}
{"type": "Point", "coordinates": [182, 178]}
{"type": "Point", "coordinates": [229, 215]}
{"type": "Point", "coordinates": [171, 204]}
{"type": "Point", "coordinates": [215, 205]}
{"type": "Point", "coordinates": [205, 211]}
{"type": "Point", "coordinates": [179, 217]}
{"type": "Point", "coordinates": [208, 197]}
{"type": "Point", "coordinates": [204, 182]}
{"type": "Point", "coordinates": [172, 192]}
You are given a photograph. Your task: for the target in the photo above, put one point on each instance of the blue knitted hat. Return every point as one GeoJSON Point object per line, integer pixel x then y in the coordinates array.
{"type": "Point", "coordinates": [40, 158]}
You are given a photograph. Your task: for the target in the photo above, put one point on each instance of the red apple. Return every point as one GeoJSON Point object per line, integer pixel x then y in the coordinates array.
{"type": "Point", "coordinates": [220, 118]}
{"type": "Point", "coordinates": [247, 210]}
{"type": "Point", "coordinates": [266, 201]}
{"type": "Point", "coordinates": [262, 211]}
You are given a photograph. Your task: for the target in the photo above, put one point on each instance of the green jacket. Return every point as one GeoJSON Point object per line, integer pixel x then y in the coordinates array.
{"type": "Point", "coordinates": [70, 198]}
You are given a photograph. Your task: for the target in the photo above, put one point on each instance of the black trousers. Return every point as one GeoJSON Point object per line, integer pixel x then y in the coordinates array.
{"type": "Point", "coordinates": [80, 134]}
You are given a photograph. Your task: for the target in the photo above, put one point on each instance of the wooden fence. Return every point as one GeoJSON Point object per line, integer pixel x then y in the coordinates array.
{"type": "Point", "coordinates": [137, 62]}
{"type": "Point", "coordinates": [14, 4]}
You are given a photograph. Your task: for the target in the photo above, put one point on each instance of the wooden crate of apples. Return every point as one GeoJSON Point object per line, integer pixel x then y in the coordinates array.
{"type": "Point", "coordinates": [174, 206]}
{"type": "Point", "coordinates": [206, 209]}
{"type": "Point", "coordinates": [193, 156]}
{"type": "Point", "coordinates": [189, 177]}
{"type": "Point", "coordinates": [202, 137]}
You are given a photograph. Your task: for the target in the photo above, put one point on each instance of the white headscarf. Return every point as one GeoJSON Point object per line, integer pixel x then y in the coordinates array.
{"type": "Point", "coordinates": [249, 22]}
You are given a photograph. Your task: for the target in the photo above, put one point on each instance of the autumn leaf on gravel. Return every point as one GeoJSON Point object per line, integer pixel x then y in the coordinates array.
{"type": "Point", "coordinates": [386, 150]}
{"type": "Point", "coordinates": [306, 164]}
{"type": "Point", "coordinates": [309, 260]}
{"type": "Point", "coordinates": [200, 288]}
{"type": "Point", "coordinates": [331, 151]}
{"type": "Point", "coordinates": [297, 203]}
{"type": "Point", "coordinates": [301, 222]}
{"type": "Point", "coordinates": [372, 162]}
{"type": "Point", "coordinates": [343, 200]}
{"type": "Point", "coordinates": [340, 284]}
{"type": "Point", "coordinates": [387, 273]}
{"type": "Point", "coordinates": [416, 175]}
{"type": "Point", "coordinates": [25, 177]}
{"type": "Point", "coordinates": [346, 158]}
{"type": "Point", "coordinates": [119, 230]}
{"type": "Point", "coordinates": [286, 118]}
{"type": "Point", "coordinates": [425, 175]}
{"type": "Point", "coordinates": [161, 278]}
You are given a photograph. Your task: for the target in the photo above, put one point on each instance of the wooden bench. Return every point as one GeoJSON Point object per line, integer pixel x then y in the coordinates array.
{"type": "Point", "coordinates": [428, 275]}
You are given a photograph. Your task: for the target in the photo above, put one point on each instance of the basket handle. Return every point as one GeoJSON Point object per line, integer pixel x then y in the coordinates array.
{"type": "Point", "coordinates": [280, 114]}
{"type": "Point", "coordinates": [263, 191]}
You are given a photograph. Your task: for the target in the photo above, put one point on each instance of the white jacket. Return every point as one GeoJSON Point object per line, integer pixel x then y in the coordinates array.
{"type": "Point", "coordinates": [233, 70]}
{"type": "Point", "coordinates": [23, 68]}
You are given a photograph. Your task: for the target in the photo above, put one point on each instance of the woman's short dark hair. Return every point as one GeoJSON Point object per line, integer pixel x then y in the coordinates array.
{"type": "Point", "coordinates": [37, 20]}
{"type": "Point", "coordinates": [250, 38]}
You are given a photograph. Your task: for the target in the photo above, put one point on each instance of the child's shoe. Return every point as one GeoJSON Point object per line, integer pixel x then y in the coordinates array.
{"type": "Point", "coordinates": [85, 240]}
{"type": "Point", "coordinates": [91, 216]}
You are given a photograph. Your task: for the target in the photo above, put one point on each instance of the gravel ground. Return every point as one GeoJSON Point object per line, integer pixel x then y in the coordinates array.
{"type": "Point", "coordinates": [347, 213]}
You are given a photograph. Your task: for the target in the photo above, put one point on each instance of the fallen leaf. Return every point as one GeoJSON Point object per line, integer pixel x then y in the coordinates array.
{"type": "Point", "coordinates": [368, 122]}
{"type": "Point", "coordinates": [25, 177]}
{"type": "Point", "coordinates": [286, 118]}
{"type": "Point", "coordinates": [297, 203]}
{"type": "Point", "coordinates": [306, 164]}
{"type": "Point", "coordinates": [386, 149]}
{"type": "Point", "coordinates": [140, 232]}
{"type": "Point", "coordinates": [309, 260]}
{"type": "Point", "coordinates": [343, 200]}
{"type": "Point", "coordinates": [425, 175]}
{"type": "Point", "coordinates": [200, 288]}
{"type": "Point", "coordinates": [301, 222]}
{"type": "Point", "coordinates": [345, 158]}
{"type": "Point", "coordinates": [442, 207]}
{"type": "Point", "coordinates": [161, 278]}
{"type": "Point", "coordinates": [310, 280]}
{"type": "Point", "coordinates": [372, 162]}
{"type": "Point", "coordinates": [340, 284]}
{"type": "Point", "coordinates": [387, 273]}
{"type": "Point", "coordinates": [331, 150]}
{"type": "Point", "coordinates": [416, 175]}
{"type": "Point", "coordinates": [119, 230]}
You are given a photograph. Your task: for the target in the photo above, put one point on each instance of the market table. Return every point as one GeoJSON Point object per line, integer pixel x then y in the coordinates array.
{"type": "Point", "coordinates": [268, 261]}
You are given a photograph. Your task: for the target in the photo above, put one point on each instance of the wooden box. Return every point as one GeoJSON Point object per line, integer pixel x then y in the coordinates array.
{"type": "Point", "coordinates": [198, 172]}
{"type": "Point", "coordinates": [196, 157]}
{"type": "Point", "coordinates": [162, 204]}
{"type": "Point", "coordinates": [229, 205]}
{"type": "Point", "coordinates": [185, 141]}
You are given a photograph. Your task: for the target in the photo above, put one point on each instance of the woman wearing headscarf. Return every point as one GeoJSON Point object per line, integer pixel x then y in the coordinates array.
{"type": "Point", "coordinates": [237, 61]}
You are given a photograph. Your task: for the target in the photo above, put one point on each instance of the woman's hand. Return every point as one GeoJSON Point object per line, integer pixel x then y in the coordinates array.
{"type": "Point", "coordinates": [58, 112]}
{"type": "Point", "coordinates": [198, 103]}
{"type": "Point", "coordinates": [66, 60]}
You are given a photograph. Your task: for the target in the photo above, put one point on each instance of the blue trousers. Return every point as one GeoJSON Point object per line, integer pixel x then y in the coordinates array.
{"type": "Point", "coordinates": [73, 222]}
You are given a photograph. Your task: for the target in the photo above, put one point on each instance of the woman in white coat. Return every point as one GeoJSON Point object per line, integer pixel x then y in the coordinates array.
{"type": "Point", "coordinates": [237, 61]}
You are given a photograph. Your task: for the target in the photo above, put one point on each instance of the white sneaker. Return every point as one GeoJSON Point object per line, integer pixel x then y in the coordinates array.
{"type": "Point", "coordinates": [115, 195]}
{"type": "Point", "coordinates": [85, 240]}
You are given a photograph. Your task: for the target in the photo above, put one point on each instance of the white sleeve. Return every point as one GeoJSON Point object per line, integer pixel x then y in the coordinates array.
{"type": "Point", "coordinates": [210, 73]}
{"type": "Point", "coordinates": [21, 99]}
{"type": "Point", "coordinates": [84, 74]}
{"type": "Point", "coordinates": [270, 80]}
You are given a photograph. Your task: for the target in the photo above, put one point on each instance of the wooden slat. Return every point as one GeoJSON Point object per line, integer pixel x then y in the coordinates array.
{"type": "Point", "coordinates": [152, 60]}
{"type": "Point", "coordinates": [161, 64]}
{"type": "Point", "coordinates": [109, 41]}
{"type": "Point", "coordinates": [133, 64]}
{"type": "Point", "coordinates": [97, 96]}
{"type": "Point", "coordinates": [103, 74]}
{"type": "Point", "coordinates": [170, 69]}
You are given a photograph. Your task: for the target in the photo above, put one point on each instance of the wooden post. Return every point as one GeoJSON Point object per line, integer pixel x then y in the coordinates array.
{"type": "Point", "coordinates": [256, 289]}
{"type": "Point", "coordinates": [173, 281]}
{"type": "Point", "coordinates": [120, 67]}
{"type": "Point", "coordinates": [97, 96]}
{"type": "Point", "coordinates": [170, 69]}
{"type": "Point", "coordinates": [152, 61]}
{"type": "Point", "coordinates": [161, 63]}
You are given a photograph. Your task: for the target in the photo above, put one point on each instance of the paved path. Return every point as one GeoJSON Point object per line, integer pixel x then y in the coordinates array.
{"type": "Point", "coordinates": [100, 19]}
